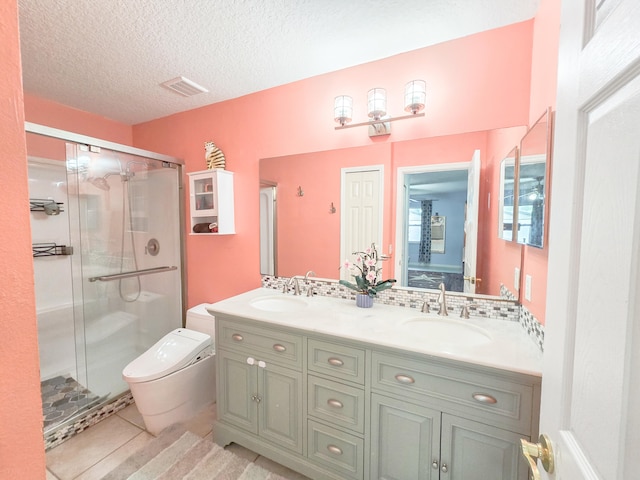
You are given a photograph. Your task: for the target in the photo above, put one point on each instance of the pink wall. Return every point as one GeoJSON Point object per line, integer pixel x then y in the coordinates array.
{"type": "Point", "coordinates": [257, 126]}
{"type": "Point", "coordinates": [544, 63]}
{"type": "Point", "coordinates": [51, 114]}
{"type": "Point", "coordinates": [21, 442]}
{"type": "Point", "coordinates": [506, 255]}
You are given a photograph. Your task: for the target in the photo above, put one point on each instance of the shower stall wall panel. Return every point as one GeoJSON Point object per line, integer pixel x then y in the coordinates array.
{"type": "Point", "coordinates": [52, 274]}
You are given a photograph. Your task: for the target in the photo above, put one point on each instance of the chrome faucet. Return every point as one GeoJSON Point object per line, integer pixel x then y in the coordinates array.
{"type": "Point", "coordinates": [296, 285]}
{"type": "Point", "coordinates": [442, 301]}
{"type": "Point", "coordinates": [310, 291]}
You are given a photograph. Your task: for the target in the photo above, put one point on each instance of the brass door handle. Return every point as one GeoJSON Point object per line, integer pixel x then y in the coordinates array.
{"type": "Point", "coordinates": [473, 280]}
{"type": "Point", "coordinates": [541, 450]}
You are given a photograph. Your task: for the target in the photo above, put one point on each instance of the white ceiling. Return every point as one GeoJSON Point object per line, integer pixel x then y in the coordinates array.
{"type": "Point", "coordinates": [109, 57]}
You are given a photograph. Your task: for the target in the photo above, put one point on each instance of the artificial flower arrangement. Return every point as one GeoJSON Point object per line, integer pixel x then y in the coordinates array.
{"type": "Point", "coordinates": [365, 271]}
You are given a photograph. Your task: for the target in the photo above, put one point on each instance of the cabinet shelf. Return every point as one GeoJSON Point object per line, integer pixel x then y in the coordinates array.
{"type": "Point", "coordinates": [211, 202]}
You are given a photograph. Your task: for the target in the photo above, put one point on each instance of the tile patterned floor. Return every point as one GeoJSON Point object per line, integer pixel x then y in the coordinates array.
{"type": "Point", "coordinates": [100, 448]}
{"type": "Point", "coordinates": [63, 397]}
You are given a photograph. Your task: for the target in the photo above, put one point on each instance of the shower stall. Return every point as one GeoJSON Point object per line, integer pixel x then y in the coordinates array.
{"type": "Point", "coordinates": [106, 228]}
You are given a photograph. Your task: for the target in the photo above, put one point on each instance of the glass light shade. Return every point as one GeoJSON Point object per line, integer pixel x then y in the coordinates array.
{"type": "Point", "coordinates": [415, 95]}
{"type": "Point", "coordinates": [377, 103]}
{"type": "Point", "coordinates": [343, 109]}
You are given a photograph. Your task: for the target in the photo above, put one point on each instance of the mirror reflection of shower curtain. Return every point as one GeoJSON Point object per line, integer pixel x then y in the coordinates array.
{"type": "Point", "coordinates": [537, 219]}
{"type": "Point", "coordinates": [424, 255]}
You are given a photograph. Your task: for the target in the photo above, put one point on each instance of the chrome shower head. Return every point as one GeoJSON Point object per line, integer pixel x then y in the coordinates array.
{"type": "Point", "coordinates": [100, 182]}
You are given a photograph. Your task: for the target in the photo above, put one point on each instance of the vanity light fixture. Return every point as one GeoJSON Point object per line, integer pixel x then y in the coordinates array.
{"type": "Point", "coordinates": [415, 93]}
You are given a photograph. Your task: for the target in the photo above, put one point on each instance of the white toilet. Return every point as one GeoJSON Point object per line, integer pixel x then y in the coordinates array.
{"type": "Point", "coordinates": [175, 378]}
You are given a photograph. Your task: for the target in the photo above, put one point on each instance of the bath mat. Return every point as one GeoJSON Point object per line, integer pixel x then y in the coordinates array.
{"type": "Point", "coordinates": [63, 397]}
{"type": "Point", "coordinates": [179, 454]}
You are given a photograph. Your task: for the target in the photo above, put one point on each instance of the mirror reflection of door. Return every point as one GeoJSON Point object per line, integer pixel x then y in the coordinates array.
{"type": "Point", "coordinates": [267, 229]}
{"type": "Point", "coordinates": [439, 194]}
{"type": "Point", "coordinates": [361, 215]}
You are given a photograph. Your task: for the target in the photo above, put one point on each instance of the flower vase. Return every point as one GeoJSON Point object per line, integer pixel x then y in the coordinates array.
{"type": "Point", "coordinates": [363, 300]}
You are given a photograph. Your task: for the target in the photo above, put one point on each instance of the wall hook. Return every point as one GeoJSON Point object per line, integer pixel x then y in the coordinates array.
{"type": "Point", "coordinates": [300, 192]}
{"type": "Point", "coordinates": [332, 208]}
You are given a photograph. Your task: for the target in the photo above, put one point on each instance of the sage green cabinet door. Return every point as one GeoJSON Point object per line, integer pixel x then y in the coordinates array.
{"type": "Point", "coordinates": [280, 406]}
{"type": "Point", "coordinates": [405, 440]}
{"type": "Point", "coordinates": [237, 390]}
{"type": "Point", "coordinates": [475, 451]}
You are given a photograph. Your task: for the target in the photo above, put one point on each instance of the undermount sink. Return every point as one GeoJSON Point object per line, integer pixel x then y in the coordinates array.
{"type": "Point", "coordinates": [450, 331]}
{"type": "Point", "coordinates": [278, 304]}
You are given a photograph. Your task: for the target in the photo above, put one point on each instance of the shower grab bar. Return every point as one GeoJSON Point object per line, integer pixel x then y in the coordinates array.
{"type": "Point", "coordinates": [134, 273]}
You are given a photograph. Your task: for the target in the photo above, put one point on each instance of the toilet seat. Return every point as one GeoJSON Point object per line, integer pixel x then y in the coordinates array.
{"type": "Point", "coordinates": [174, 351]}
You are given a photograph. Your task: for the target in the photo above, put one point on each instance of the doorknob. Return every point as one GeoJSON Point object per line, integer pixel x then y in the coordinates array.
{"type": "Point", "coordinates": [541, 450]}
{"type": "Point", "coordinates": [473, 280]}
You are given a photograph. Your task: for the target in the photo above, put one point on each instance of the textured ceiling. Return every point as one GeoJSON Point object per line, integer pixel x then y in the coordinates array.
{"type": "Point", "coordinates": [109, 57]}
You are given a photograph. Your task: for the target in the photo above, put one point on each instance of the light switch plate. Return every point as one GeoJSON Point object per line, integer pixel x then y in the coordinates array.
{"type": "Point", "coordinates": [516, 279]}
{"type": "Point", "coordinates": [527, 287]}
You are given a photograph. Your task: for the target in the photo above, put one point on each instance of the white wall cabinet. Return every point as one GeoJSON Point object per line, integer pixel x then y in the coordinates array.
{"type": "Point", "coordinates": [211, 202]}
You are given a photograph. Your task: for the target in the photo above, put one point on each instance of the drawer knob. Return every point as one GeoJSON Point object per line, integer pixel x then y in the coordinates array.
{"type": "Point", "coordinates": [444, 468]}
{"type": "Point", "coordinates": [332, 402]}
{"type": "Point", "coordinates": [484, 398]}
{"type": "Point", "coordinates": [435, 465]}
{"type": "Point", "coordinates": [336, 362]}
{"type": "Point", "coordinates": [279, 348]}
{"type": "Point", "coordinates": [335, 450]}
{"type": "Point", "coordinates": [237, 337]}
{"type": "Point", "coordinates": [406, 379]}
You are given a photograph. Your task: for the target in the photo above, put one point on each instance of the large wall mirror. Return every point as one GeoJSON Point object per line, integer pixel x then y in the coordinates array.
{"type": "Point", "coordinates": [309, 210]}
{"type": "Point", "coordinates": [533, 174]}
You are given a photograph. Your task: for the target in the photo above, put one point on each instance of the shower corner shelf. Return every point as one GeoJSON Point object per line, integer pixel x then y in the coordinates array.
{"type": "Point", "coordinates": [50, 250]}
{"type": "Point", "coordinates": [46, 205]}
{"type": "Point", "coordinates": [211, 202]}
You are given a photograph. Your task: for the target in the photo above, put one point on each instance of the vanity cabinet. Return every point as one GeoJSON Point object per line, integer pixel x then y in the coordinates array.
{"type": "Point", "coordinates": [340, 409]}
{"type": "Point", "coordinates": [432, 420]}
{"type": "Point", "coordinates": [211, 202]}
{"type": "Point", "coordinates": [260, 381]}
{"type": "Point", "coordinates": [336, 421]}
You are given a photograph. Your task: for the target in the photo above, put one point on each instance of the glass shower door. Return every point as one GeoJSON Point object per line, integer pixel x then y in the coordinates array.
{"type": "Point", "coordinates": [127, 265]}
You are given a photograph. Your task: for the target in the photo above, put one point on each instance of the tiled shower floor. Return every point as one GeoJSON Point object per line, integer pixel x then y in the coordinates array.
{"type": "Point", "coordinates": [63, 397]}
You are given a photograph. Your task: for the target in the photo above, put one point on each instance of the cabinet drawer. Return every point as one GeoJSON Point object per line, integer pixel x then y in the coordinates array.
{"type": "Point", "coordinates": [336, 403]}
{"type": "Point", "coordinates": [261, 343]}
{"type": "Point", "coordinates": [336, 450]}
{"type": "Point", "coordinates": [339, 361]}
{"type": "Point", "coordinates": [480, 396]}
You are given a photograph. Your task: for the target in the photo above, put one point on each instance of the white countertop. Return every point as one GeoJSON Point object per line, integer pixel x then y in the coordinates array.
{"type": "Point", "coordinates": [493, 343]}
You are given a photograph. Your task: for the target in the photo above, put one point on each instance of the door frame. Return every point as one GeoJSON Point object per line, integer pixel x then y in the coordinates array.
{"type": "Point", "coordinates": [399, 264]}
{"type": "Point", "coordinates": [343, 220]}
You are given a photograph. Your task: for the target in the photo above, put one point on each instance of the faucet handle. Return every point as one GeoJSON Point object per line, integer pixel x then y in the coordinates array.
{"type": "Point", "coordinates": [425, 307]}
{"type": "Point", "coordinates": [310, 291]}
{"type": "Point", "coordinates": [296, 286]}
{"type": "Point", "coordinates": [464, 311]}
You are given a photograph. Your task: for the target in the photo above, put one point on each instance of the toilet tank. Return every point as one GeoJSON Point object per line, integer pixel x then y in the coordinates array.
{"type": "Point", "coordinates": [200, 320]}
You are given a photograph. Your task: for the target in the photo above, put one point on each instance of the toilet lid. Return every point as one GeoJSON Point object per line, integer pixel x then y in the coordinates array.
{"type": "Point", "coordinates": [174, 351]}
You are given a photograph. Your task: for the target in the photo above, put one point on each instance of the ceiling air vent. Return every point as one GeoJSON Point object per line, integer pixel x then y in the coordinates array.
{"type": "Point", "coordinates": [184, 86]}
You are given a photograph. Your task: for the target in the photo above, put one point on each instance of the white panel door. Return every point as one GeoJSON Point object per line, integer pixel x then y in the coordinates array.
{"type": "Point", "coordinates": [361, 213]}
{"type": "Point", "coordinates": [591, 376]}
{"type": "Point", "coordinates": [471, 224]}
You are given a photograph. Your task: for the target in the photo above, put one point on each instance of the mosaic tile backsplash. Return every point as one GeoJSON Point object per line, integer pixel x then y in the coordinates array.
{"type": "Point", "coordinates": [504, 308]}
